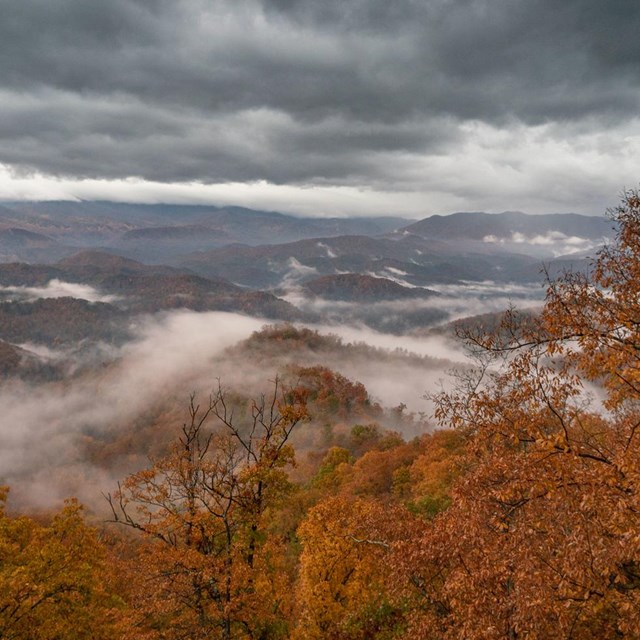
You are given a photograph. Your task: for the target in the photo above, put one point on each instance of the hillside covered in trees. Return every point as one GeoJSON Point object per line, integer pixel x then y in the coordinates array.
{"type": "Point", "coordinates": [307, 511]}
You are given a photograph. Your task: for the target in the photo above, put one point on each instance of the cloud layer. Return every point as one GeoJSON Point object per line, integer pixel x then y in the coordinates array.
{"type": "Point", "coordinates": [442, 104]}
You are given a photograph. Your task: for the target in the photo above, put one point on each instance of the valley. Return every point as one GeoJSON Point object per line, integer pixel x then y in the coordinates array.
{"type": "Point", "coordinates": [316, 422]}
{"type": "Point", "coordinates": [87, 309]}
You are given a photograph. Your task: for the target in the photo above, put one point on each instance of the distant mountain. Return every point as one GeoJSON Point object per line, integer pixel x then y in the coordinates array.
{"type": "Point", "coordinates": [406, 258]}
{"type": "Point", "coordinates": [18, 243]}
{"type": "Point", "coordinates": [159, 232]}
{"type": "Point", "coordinates": [79, 224]}
{"type": "Point", "coordinates": [172, 233]}
{"type": "Point", "coordinates": [353, 287]}
{"type": "Point", "coordinates": [146, 258]}
{"type": "Point", "coordinates": [133, 288]}
{"type": "Point", "coordinates": [161, 244]}
{"type": "Point", "coordinates": [550, 234]}
{"type": "Point", "coordinates": [102, 261]}
{"type": "Point", "coordinates": [59, 321]}
{"type": "Point", "coordinates": [235, 225]}
{"type": "Point", "coordinates": [163, 234]}
{"type": "Point", "coordinates": [23, 238]}
{"type": "Point", "coordinates": [364, 300]}
{"type": "Point", "coordinates": [21, 274]}
{"type": "Point", "coordinates": [260, 227]}
{"type": "Point", "coordinates": [155, 287]}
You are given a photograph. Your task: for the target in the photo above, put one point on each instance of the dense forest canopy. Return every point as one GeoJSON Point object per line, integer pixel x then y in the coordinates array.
{"type": "Point", "coordinates": [518, 518]}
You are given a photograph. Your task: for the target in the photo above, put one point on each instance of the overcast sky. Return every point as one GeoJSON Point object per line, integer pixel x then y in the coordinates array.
{"type": "Point", "coordinates": [405, 107]}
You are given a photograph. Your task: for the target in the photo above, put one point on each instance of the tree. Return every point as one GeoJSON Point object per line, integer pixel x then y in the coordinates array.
{"type": "Point", "coordinates": [430, 477]}
{"type": "Point", "coordinates": [343, 591]}
{"type": "Point", "coordinates": [53, 578]}
{"type": "Point", "coordinates": [543, 535]}
{"type": "Point", "coordinates": [203, 511]}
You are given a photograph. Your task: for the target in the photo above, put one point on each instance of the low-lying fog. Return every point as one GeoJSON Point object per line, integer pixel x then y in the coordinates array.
{"type": "Point", "coordinates": [43, 427]}
{"type": "Point", "coordinates": [56, 289]}
{"type": "Point", "coordinates": [401, 317]}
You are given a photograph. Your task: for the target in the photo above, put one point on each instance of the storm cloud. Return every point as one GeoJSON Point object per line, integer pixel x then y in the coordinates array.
{"type": "Point", "coordinates": [444, 103]}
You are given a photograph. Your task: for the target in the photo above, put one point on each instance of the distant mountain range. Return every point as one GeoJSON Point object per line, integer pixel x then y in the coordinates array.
{"type": "Point", "coordinates": [491, 227]}
{"type": "Point", "coordinates": [155, 233]}
{"type": "Point", "coordinates": [48, 231]}
{"type": "Point", "coordinates": [136, 287]}
{"type": "Point", "coordinates": [354, 287]}
{"type": "Point", "coordinates": [375, 271]}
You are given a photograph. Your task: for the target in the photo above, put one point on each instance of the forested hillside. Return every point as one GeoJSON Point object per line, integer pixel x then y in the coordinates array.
{"type": "Point", "coordinates": [302, 512]}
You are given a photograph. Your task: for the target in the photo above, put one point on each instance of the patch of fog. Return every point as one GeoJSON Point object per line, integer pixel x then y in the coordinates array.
{"type": "Point", "coordinates": [488, 288]}
{"type": "Point", "coordinates": [383, 275]}
{"type": "Point", "coordinates": [431, 346]}
{"type": "Point", "coordinates": [394, 381]}
{"type": "Point", "coordinates": [328, 249]}
{"type": "Point", "coordinates": [181, 344]}
{"type": "Point", "coordinates": [570, 249]}
{"type": "Point", "coordinates": [456, 310]}
{"type": "Point", "coordinates": [550, 238]}
{"type": "Point", "coordinates": [560, 243]}
{"type": "Point", "coordinates": [295, 295]}
{"type": "Point", "coordinates": [389, 273]}
{"type": "Point", "coordinates": [398, 369]}
{"type": "Point", "coordinates": [171, 355]}
{"type": "Point", "coordinates": [171, 351]}
{"type": "Point", "coordinates": [398, 272]}
{"type": "Point", "coordinates": [477, 298]}
{"type": "Point", "coordinates": [296, 271]}
{"type": "Point", "coordinates": [42, 351]}
{"type": "Point", "coordinates": [555, 242]}
{"type": "Point", "coordinates": [83, 355]}
{"type": "Point", "coordinates": [455, 302]}
{"type": "Point", "coordinates": [57, 289]}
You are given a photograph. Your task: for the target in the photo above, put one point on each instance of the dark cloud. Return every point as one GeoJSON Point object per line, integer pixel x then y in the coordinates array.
{"type": "Point", "coordinates": [298, 91]}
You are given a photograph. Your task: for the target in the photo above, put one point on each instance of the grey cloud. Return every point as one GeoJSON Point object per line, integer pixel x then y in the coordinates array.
{"type": "Point", "coordinates": [297, 90]}
{"type": "Point", "coordinates": [61, 133]}
{"type": "Point", "coordinates": [467, 58]}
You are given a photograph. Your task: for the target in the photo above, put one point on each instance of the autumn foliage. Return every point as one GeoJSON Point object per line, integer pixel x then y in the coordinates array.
{"type": "Point", "coordinates": [542, 538]}
{"type": "Point", "coordinates": [204, 508]}
{"type": "Point", "coordinates": [54, 579]}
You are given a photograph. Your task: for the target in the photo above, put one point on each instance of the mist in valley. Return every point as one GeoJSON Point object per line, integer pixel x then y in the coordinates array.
{"type": "Point", "coordinates": [119, 394]}
{"type": "Point", "coordinates": [405, 317]}
{"type": "Point", "coordinates": [57, 437]}
{"type": "Point", "coordinates": [56, 289]}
